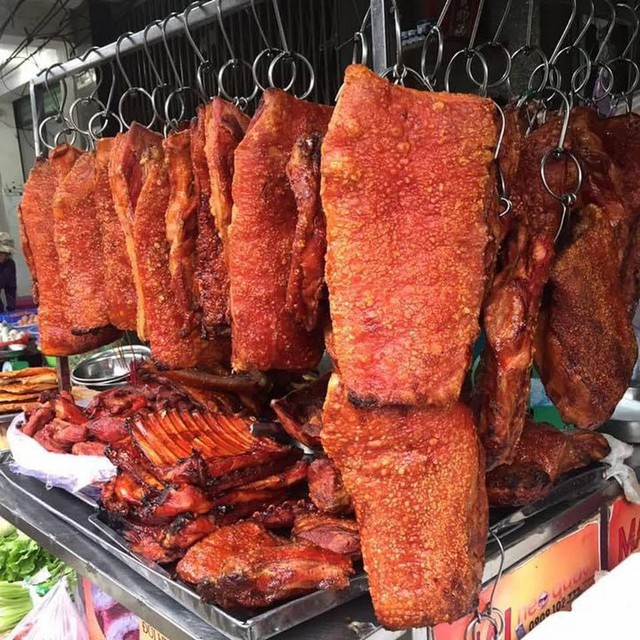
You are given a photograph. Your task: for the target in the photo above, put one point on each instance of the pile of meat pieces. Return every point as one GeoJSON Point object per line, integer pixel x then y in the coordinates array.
{"type": "Point", "coordinates": [61, 426]}
{"type": "Point", "coordinates": [200, 485]}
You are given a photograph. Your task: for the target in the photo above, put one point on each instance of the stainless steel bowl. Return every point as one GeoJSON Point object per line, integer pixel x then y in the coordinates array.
{"type": "Point", "coordinates": [109, 366]}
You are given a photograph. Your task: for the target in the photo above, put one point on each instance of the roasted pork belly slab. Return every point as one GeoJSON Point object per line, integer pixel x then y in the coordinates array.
{"type": "Point", "coordinates": [305, 288]}
{"type": "Point", "coordinates": [245, 565]}
{"type": "Point", "coordinates": [339, 535]}
{"type": "Point", "coordinates": [407, 184]}
{"type": "Point", "coordinates": [326, 488]}
{"type": "Point", "coordinates": [128, 171]}
{"type": "Point", "coordinates": [264, 334]}
{"type": "Point", "coordinates": [542, 455]}
{"type": "Point", "coordinates": [37, 232]}
{"type": "Point", "coordinates": [78, 241]}
{"type": "Point", "coordinates": [586, 347]}
{"type": "Point", "coordinates": [416, 477]}
{"type": "Point", "coordinates": [211, 273]}
{"type": "Point", "coordinates": [175, 338]}
{"type": "Point", "coordinates": [510, 314]}
{"type": "Point", "coordinates": [118, 287]}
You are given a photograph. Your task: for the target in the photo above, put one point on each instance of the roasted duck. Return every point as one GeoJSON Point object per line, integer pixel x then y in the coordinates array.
{"type": "Point", "coordinates": [38, 240]}
{"type": "Point", "coordinates": [542, 455]}
{"type": "Point", "coordinates": [245, 565]}
{"type": "Point", "coordinates": [416, 478]}
{"type": "Point", "coordinates": [407, 180]}
{"type": "Point", "coordinates": [265, 335]}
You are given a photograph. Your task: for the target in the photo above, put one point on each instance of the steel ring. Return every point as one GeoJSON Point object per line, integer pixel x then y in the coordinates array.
{"type": "Point", "coordinates": [594, 67]}
{"type": "Point", "coordinates": [135, 91]}
{"type": "Point", "coordinates": [60, 119]}
{"type": "Point", "coordinates": [557, 153]}
{"type": "Point", "coordinates": [429, 78]}
{"type": "Point", "coordinates": [202, 67]}
{"type": "Point", "coordinates": [633, 85]}
{"type": "Point", "coordinates": [400, 74]}
{"type": "Point", "coordinates": [469, 53]}
{"type": "Point", "coordinates": [176, 93]}
{"type": "Point", "coordinates": [507, 70]}
{"type": "Point", "coordinates": [297, 56]}
{"type": "Point", "coordinates": [472, 627]}
{"type": "Point", "coordinates": [271, 52]}
{"type": "Point", "coordinates": [106, 115]}
{"type": "Point", "coordinates": [586, 66]}
{"type": "Point", "coordinates": [544, 64]}
{"type": "Point", "coordinates": [234, 63]}
{"type": "Point", "coordinates": [64, 132]}
{"type": "Point", "coordinates": [74, 107]}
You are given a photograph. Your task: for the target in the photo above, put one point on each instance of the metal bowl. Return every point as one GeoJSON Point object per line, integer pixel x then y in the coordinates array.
{"type": "Point", "coordinates": [109, 366]}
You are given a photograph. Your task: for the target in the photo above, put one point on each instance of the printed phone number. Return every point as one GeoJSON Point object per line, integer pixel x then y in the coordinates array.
{"type": "Point", "coordinates": [560, 605]}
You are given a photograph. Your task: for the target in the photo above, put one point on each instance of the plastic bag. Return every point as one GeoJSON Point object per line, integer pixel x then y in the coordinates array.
{"type": "Point", "coordinates": [63, 470]}
{"type": "Point", "coordinates": [55, 617]}
{"type": "Point", "coordinates": [623, 473]}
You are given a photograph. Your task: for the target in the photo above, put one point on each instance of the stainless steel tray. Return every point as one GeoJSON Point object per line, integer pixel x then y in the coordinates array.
{"type": "Point", "coordinates": [245, 625]}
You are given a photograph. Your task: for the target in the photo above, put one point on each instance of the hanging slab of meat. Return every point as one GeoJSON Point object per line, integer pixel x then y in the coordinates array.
{"type": "Point", "coordinates": [79, 244]}
{"type": "Point", "coordinates": [181, 224]}
{"type": "Point", "coordinates": [225, 127]}
{"type": "Point", "coordinates": [542, 455]}
{"type": "Point", "coordinates": [175, 342]}
{"type": "Point", "coordinates": [128, 171]}
{"type": "Point", "coordinates": [264, 334]}
{"type": "Point", "coordinates": [621, 139]}
{"type": "Point", "coordinates": [119, 287]}
{"type": "Point", "coordinates": [245, 565]}
{"type": "Point", "coordinates": [407, 181]}
{"type": "Point", "coordinates": [212, 276]}
{"type": "Point", "coordinates": [37, 232]}
{"type": "Point", "coordinates": [416, 477]}
{"type": "Point", "coordinates": [306, 279]}
{"type": "Point", "coordinates": [511, 310]}
{"type": "Point", "coordinates": [585, 346]}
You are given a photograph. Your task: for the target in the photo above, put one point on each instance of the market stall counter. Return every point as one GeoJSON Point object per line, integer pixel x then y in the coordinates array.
{"type": "Point", "coordinates": [574, 526]}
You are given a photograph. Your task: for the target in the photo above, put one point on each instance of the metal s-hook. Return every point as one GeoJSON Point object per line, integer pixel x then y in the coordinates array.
{"type": "Point", "coordinates": [59, 118]}
{"type": "Point", "coordinates": [204, 64]}
{"type": "Point", "coordinates": [106, 113]}
{"type": "Point", "coordinates": [86, 100]}
{"type": "Point", "coordinates": [565, 33]}
{"type": "Point", "coordinates": [232, 64]}
{"type": "Point", "coordinates": [269, 53]}
{"type": "Point", "coordinates": [503, 198]}
{"type": "Point", "coordinates": [131, 90]}
{"type": "Point", "coordinates": [288, 55]}
{"type": "Point", "coordinates": [399, 72]}
{"type": "Point", "coordinates": [435, 30]}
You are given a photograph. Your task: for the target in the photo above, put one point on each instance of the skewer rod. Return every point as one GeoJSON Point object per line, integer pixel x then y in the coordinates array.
{"type": "Point", "coordinates": [379, 29]}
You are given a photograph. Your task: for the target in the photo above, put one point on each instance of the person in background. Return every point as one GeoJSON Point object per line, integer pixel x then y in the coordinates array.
{"type": "Point", "coordinates": [7, 272]}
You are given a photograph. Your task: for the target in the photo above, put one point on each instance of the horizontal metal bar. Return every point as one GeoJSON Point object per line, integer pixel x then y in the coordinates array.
{"type": "Point", "coordinates": [198, 16]}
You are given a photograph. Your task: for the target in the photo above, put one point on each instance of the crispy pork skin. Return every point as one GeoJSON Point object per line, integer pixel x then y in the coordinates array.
{"type": "Point", "coordinates": [407, 182]}
{"type": "Point", "coordinates": [511, 310]}
{"type": "Point", "coordinates": [416, 478]}
{"type": "Point", "coordinates": [37, 233]}
{"type": "Point", "coordinates": [586, 347]}
{"type": "Point", "coordinates": [264, 333]}
{"type": "Point", "coordinates": [245, 565]}
{"type": "Point", "coordinates": [128, 171]}
{"type": "Point", "coordinates": [305, 288]}
{"type": "Point", "coordinates": [77, 231]}
{"type": "Point", "coordinates": [541, 456]}
{"type": "Point", "coordinates": [118, 287]}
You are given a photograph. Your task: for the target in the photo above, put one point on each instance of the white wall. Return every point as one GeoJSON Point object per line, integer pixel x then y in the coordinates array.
{"type": "Point", "coordinates": [11, 183]}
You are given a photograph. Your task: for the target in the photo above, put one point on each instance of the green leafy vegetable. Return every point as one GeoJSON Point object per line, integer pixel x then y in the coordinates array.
{"type": "Point", "coordinates": [6, 528]}
{"type": "Point", "coordinates": [15, 604]}
{"type": "Point", "coordinates": [21, 557]}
